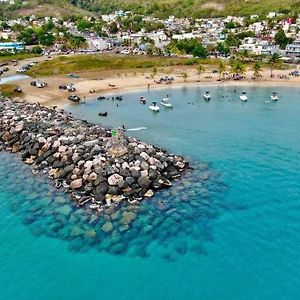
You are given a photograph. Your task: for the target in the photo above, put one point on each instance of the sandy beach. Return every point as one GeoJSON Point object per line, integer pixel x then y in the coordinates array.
{"type": "Point", "coordinates": [115, 83]}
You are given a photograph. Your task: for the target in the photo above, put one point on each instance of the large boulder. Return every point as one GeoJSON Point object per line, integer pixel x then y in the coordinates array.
{"type": "Point", "coordinates": [116, 180]}
{"type": "Point", "coordinates": [76, 184]}
{"type": "Point", "coordinates": [66, 171]}
{"type": "Point", "coordinates": [144, 181]}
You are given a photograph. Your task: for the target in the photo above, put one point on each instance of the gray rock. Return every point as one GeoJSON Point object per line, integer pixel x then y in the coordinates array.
{"type": "Point", "coordinates": [66, 171]}
{"type": "Point", "coordinates": [144, 181]}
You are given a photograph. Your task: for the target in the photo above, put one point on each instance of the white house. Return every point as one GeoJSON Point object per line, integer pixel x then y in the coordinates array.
{"type": "Point", "coordinates": [293, 50]}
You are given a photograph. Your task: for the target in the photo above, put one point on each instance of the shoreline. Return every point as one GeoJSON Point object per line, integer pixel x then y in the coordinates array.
{"type": "Point", "coordinates": [51, 95]}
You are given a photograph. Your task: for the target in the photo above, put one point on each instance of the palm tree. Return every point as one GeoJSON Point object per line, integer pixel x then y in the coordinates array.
{"type": "Point", "coordinates": [185, 76]}
{"type": "Point", "coordinates": [154, 72]}
{"type": "Point", "coordinates": [221, 68]}
{"type": "Point", "coordinates": [256, 69]}
{"type": "Point", "coordinates": [200, 70]}
{"type": "Point", "coordinates": [273, 60]}
{"type": "Point", "coordinates": [244, 55]}
{"type": "Point", "coordinates": [238, 68]}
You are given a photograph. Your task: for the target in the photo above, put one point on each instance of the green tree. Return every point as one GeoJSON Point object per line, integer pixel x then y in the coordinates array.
{"type": "Point", "coordinates": [272, 61]}
{"type": "Point", "coordinates": [232, 41]}
{"type": "Point", "coordinates": [256, 69]}
{"type": "Point", "coordinates": [200, 70]}
{"type": "Point", "coordinates": [28, 36]}
{"type": "Point", "coordinates": [199, 51]}
{"type": "Point", "coordinates": [221, 68]}
{"type": "Point", "coordinates": [244, 55]}
{"type": "Point", "coordinates": [83, 25]}
{"type": "Point", "coordinates": [238, 67]}
{"type": "Point", "coordinates": [184, 76]}
{"type": "Point", "coordinates": [37, 50]}
{"type": "Point", "coordinates": [223, 48]}
{"type": "Point", "coordinates": [46, 39]}
{"type": "Point", "coordinates": [113, 28]}
{"type": "Point", "coordinates": [154, 72]}
{"type": "Point", "coordinates": [230, 25]}
{"type": "Point", "coordinates": [281, 39]}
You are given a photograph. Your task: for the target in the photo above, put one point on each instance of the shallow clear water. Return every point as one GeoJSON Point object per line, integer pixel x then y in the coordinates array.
{"type": "Point", "coordinates": [231, 231]}
{"type": "Point", "coordinates": [12, 78]}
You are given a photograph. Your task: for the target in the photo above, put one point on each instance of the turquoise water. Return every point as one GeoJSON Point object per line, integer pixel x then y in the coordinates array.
{"type": "Point", "coordinates": [231, 231]}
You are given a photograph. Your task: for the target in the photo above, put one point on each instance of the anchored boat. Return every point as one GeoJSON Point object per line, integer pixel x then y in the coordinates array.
{"type": "Point", "coordinates": [206, 96]}
{"type": "Point", "coordinates": [274, 96]}
{"type": "Point", "coordinates": [243, 96]}
{"type": "Point", "coordinates": [142, 100]}
{"type": "Point", "coordinates": [166, 102]}
{"type": "Point", "coordinates": [154, 107]}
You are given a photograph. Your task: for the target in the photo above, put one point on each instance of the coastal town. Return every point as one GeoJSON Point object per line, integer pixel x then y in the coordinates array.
{"type": "Point", "coordinates": [126, 33]}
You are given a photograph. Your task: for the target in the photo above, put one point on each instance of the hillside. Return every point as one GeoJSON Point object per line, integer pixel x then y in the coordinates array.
{"type": "Point", "coordinates": [161, 8]}
{"type": "Point", "coordinates": [197, 8]}
{"type": "Point", "coordinates": [40, 8]}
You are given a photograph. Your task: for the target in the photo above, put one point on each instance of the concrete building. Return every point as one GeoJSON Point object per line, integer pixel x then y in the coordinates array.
{"type": "Point", "coordinates": [293, 50]}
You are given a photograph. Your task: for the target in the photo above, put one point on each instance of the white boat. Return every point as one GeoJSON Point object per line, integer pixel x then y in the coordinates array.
{"type": "Point", "coordinates": [243, 97]}
{"type": "Point", "coordinates": [206, 96]}
{"type": "Point", "coordinates": [274, 96]}
{"type": "Point", "coordinates": [142, 100]}
{"type": "Point", "coordinates": [166, 102]}
{"type": "Point", "coordinates": [154, 107]}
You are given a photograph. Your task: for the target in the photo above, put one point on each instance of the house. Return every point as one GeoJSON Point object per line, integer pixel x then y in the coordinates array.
{"type": "Point", "coordinates": [259, 46]}
{"type": "Point", "coordinates": [293, 50]}
{"type": "Point", "coordinates": [97, 44]}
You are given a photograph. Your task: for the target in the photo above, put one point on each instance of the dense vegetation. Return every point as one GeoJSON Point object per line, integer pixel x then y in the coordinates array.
{"type": "Point", "coordinates": [83, 63]}
{"type": "Point", "coordinates": [161, 8]}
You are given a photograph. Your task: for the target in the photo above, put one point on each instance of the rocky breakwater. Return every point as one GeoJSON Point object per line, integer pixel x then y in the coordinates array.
{"type": "Point", "coordinates": [95, 167]}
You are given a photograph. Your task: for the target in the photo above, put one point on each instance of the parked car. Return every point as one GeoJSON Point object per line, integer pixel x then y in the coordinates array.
{"type": "Point", "coordinates": [38, 83]}
{"type": "Point", "coordinates": [67, 87]}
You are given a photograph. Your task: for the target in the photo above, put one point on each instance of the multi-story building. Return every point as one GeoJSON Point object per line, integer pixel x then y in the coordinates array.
{"type": "Point", "coordinates": [293, 50]}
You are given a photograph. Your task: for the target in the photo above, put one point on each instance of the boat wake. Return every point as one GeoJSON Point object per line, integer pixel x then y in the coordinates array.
{"type": "Point", "coordinates": [137, 129]}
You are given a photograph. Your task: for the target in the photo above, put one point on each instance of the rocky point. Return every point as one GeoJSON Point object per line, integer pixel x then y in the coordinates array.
{"type": "Point", "coordinates": [96, 168]}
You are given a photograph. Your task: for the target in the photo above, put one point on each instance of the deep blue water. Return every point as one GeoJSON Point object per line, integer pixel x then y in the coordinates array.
{"type": "Point", "coordinates": [229, 231]}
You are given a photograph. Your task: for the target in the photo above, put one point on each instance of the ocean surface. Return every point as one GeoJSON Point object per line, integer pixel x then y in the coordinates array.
{"type": "Point", "coordinates": [229, 230]}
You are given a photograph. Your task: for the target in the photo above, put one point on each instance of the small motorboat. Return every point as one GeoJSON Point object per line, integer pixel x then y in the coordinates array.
{"type": "Point", "coordinates": [154, 107]}
{"type": "Point", "coordinates": [243, 96]}
{"type": "Point", "coordinates": [274, 96]}
{"type": "Point", "coordinates": [74, 98]}
{"type": "Point", "coordinates": [206, 96]}
{"type": "Point", "coordinates": [102, 114]}
{"type": "Point", "coordinates": [166, 103]}
{"type": "Point", "coordinates": [142, 100]}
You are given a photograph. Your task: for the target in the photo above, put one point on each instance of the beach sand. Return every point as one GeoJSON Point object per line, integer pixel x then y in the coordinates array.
{"type": "Point", "coordinates": [117, 83]}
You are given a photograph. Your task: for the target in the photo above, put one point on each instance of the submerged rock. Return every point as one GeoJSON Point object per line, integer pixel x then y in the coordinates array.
{"type": "Point", "coordinates": [107, 227]}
